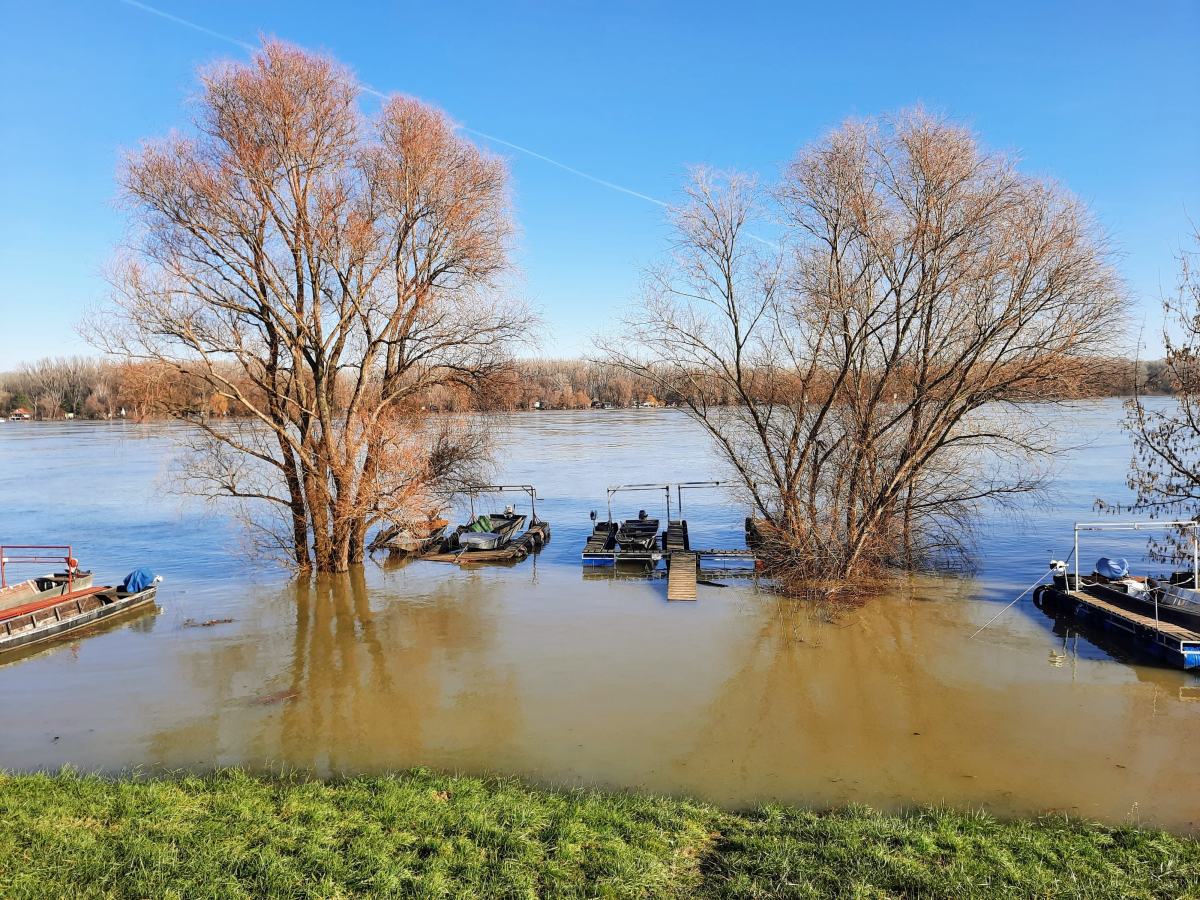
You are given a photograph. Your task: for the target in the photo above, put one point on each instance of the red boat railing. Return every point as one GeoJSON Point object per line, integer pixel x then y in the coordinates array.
{"type": "Point", "coordinates": [68, 560]}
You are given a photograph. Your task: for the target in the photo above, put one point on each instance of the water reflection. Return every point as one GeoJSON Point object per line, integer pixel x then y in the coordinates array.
{"type": "Point", "coordinates": [344, 687]}
{"type": "Point", "coordinates": [565, 676]}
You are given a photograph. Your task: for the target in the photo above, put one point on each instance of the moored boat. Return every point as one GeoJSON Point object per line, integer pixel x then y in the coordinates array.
{"type": "Point", "coordinates": [494, 537]}
{"type": "Point", "coordinates": [53, 605]}
{"type": "Point", "coordinates": [410, 538]}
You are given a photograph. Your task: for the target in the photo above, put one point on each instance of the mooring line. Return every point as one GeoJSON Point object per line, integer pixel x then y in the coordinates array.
{"type": "Point", "coordinates": [1022, 594]}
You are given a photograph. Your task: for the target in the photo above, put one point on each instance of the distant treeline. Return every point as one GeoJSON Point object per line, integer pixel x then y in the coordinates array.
{"type": "Point", "coordinates": [89, 388]}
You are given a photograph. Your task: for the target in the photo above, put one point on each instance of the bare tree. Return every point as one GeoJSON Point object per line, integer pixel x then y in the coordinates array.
{"type": "Point", "coordinates": [320, 270]}
{"type": "Point", "coordinates": [1165, 470]}
{"type": "Point", "coordinates": [881, 345]}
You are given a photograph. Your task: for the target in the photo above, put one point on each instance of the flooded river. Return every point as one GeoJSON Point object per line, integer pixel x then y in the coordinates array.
{"type": "Point", "coordinates": [567, 678]}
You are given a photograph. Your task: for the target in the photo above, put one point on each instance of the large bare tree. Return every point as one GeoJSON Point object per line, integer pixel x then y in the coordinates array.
{"type": "Point", "coordinates": [323, 270]}
{"type": "Point", "coordinates": [865, 340]}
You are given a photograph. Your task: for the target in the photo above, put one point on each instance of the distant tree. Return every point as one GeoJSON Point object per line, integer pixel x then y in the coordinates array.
{"type": "Point", "coordinates": [1165, 470]}
{"type": "Point", "coordinates": [879, 363]}
{"type": "Point", "coordinates": [322, 271]}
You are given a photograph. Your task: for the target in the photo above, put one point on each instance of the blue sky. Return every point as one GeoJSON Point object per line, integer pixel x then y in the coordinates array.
{"type": "Point", "coordinates": [1102, 95]}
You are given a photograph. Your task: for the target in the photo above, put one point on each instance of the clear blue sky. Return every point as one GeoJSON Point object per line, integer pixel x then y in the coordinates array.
{"type": "Point", "coordinates": [1104, 95]}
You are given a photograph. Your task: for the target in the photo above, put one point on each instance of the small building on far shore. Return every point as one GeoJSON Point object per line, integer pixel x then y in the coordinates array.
{"type": "Point", "coordinates": [19, 415]}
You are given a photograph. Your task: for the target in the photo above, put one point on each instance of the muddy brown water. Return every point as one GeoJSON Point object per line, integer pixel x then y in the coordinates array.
{"type": "Point", "coordinates": [572, 679]}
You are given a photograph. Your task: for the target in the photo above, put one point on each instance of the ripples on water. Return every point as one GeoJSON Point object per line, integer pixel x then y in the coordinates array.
{"type": "Point", "coordinates": [566, 679]}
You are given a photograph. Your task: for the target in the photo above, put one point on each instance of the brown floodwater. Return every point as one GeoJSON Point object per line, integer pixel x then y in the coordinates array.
{"type": "Point", "coordinates": [569, 678]}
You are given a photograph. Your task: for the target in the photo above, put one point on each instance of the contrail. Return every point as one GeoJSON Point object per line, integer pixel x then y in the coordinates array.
{"type": "Point", "coordinates": [370, 90]}
{"type": "Point", "coordinates": [216, 34]}
{"type": "Point", "coordinates": [554, 162]}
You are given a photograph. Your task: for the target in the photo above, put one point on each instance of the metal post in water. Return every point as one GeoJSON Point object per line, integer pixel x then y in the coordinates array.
{"type": "Point", "coordinates": [1076, 559]}
{"type": "Point", "coordinates": [1195, 561]}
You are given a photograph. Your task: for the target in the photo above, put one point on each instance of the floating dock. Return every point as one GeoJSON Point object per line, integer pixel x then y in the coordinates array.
{"type": "Point", "coordinates": [673, 546]}
{"type": "Point", "coordinates": [1171, 643]}
{"type": "Point", "coordinates": [536, 537]}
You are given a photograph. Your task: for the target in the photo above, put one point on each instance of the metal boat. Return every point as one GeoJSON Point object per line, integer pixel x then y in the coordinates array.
{"type": "Point", "coordinates": [494, 537]}
{"type": "Point", "coordinates": [49, 606]}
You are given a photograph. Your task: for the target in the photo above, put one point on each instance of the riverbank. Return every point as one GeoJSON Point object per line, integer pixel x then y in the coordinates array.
{"type": "Point", "coordinates": [420, 834]}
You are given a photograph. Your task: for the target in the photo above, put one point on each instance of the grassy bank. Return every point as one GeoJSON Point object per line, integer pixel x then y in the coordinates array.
{"type": "Point", "coordinates": [425, 835]}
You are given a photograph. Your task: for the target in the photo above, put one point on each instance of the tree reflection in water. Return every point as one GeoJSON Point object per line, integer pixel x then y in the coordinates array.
{"type": "Point", "coordinates": [343, 687]}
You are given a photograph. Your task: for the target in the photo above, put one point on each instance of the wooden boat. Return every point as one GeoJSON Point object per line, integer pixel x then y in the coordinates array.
{"type": "Point", "coordinates": [54, 616]}
{"type": "Point", "coordinates": [49, 606]}
{"type": "Point", "coordinates": [410, 538]}
{"type": "Point", "coordinates": [41, 588]}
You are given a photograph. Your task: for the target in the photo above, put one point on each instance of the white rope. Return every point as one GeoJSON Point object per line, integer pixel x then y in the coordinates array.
{"type": "Point", "coordinates": [1009, 606]}
{"type": "Point", "coordinates": [1022, 594]}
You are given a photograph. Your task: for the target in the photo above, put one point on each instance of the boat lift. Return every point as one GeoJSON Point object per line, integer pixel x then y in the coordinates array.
{"type": "Point", "coordinates": [503, 488]}
{"type": "Point", "coordinates": [1142, 526]}
{"type": "Point", "coordinates": [674, 547]}
{"type": "Point", "coordinates": [536, 535]}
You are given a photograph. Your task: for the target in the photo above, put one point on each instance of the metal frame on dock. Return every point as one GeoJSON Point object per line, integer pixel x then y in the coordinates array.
{"type": "Point", "coordinates": [1142, 526]}
{"type": "Point", "coordinates": [503, 488]}
{"type": "Point", "coordinates": [734, 559]}
{"type": "Point", "coordinates": [1173, 643]}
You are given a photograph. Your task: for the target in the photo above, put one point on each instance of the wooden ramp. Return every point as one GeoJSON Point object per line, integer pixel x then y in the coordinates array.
{"type": "Point", "coordinates": [681, 578]}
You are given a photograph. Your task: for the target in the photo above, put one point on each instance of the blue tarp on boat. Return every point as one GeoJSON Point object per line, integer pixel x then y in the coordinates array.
{"type": "Point", "coordinates": [137, 580]}
{"type": "Point", "coordinates": [1112, 568]}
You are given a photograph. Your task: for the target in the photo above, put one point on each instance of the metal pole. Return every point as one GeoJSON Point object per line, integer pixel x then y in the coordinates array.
{"type": "Point", "coordinates": [1195, 561]}
{"type": "Point", "coordinates": [610, 506]}
{"type": "Point", "coordinates": [1076, 558]}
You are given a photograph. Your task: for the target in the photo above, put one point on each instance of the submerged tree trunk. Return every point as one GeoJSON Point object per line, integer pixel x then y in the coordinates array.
{"type": "Point", "coordinates": [865, 368]}
{"type": "Point", "coordinates": [322, 272]}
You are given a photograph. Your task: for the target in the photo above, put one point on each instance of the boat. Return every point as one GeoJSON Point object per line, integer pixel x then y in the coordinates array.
{"type": "Point", "coordinates": [639, 544]}
{"type": "Point", "coordinates": [49, 606]}
{"type": "Point", "coordinates": [638, 535]}
{"type": "Point", "coordinates": [409, 538]}
{"type": "Point", "coordinates": [1159, 616]}
{"type": "Point", "coordinates": [42, 587]}
{"type": "Point", "coordinates": [494, 537]}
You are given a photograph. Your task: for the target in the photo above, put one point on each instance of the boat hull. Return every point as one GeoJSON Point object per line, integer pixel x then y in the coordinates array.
{"type": "Point", "coordinates": [41, 589]}
{"type": "Point", "coordinates": [63, 618]}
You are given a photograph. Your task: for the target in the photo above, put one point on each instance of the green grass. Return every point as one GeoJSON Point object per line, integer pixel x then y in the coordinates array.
{"type": "Point", "coordinates": [420, 834]}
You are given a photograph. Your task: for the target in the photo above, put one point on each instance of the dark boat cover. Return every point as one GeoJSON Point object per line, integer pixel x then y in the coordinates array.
{"type": "Point", "coordinates": [137, 580]}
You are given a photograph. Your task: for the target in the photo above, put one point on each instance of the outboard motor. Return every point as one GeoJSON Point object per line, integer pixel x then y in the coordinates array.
{"type": "Point", "coordinates": [593, 515]}
{"type": "Point", "coordinates": [641, 515]}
